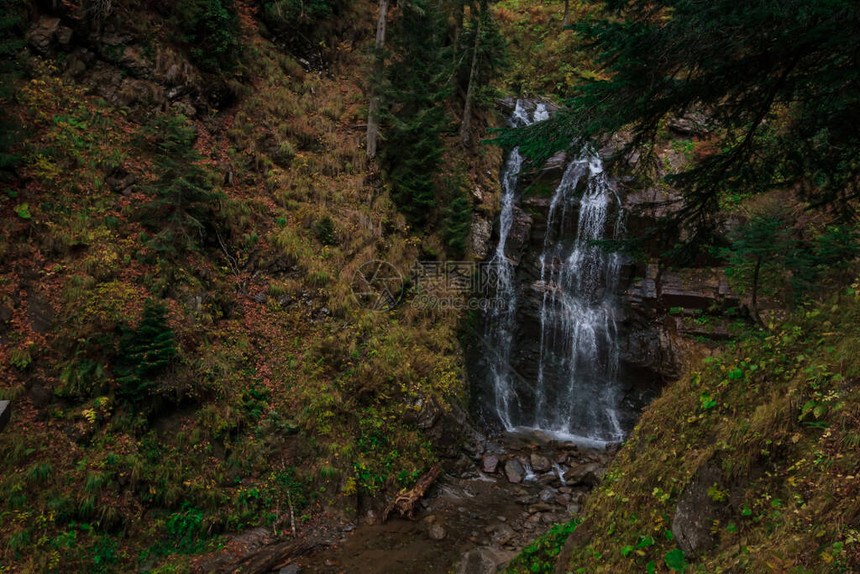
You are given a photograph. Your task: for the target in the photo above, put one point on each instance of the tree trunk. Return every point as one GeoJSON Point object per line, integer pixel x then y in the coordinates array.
{"type": "Point", "coordinates": [373, 107]}
{"type": "Point", "coordinates": [465, 125]}
{"type": "Point", "coordinates": [566, 12]}
{"type": "Point", "coordinates": [460, 10]}
{"type": "Point", "coordinates": [755, 290]}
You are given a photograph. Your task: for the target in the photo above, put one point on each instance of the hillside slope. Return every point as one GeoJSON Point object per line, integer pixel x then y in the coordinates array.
{"type": "Point", "coordinates": [182, 223]}
{"type": "Point", "coordinates": [748, 464]}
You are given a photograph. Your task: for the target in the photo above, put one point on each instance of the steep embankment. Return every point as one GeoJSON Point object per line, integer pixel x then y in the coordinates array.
{"type": "Point", "coordinates": [186, 212]}
{"type": "Point", "coordinates": [748, 463]}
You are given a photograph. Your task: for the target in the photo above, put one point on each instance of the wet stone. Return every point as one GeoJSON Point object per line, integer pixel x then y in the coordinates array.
{"type": "Point", "coordinates": [514, 471]}
{"type": "Point", "coordinates": [490, 463]}
{"type": "Point", "coordinates": [540, 463]}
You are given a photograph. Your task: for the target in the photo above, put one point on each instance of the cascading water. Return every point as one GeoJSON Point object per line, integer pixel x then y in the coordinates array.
{"type": "Point", "coordinates": [502, 317]}
{"type": "Point", "coordinates": [577, 388]}
{"type": "Point", "coordinates": [576, 393]}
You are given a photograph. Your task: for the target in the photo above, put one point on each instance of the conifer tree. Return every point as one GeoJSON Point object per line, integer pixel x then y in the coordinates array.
{"type": "Point", "coordinates": [778, 80]}
{"type": "Point", "coordinates": [418, 83]}
{"type": "Point", "coordinates": [145, 352]}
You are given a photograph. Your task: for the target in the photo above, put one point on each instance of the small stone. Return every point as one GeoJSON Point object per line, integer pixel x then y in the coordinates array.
{"type": "Point", "coordinates": [540, 463]}
{"type": "Point", "coordinates": [437, 532]}
{"type": "Point", "coordinates": [514, 471]}
{"type": "Point", "coordinates": [290, 569]}
{"type": "Point", "coordinates": [490, 463]}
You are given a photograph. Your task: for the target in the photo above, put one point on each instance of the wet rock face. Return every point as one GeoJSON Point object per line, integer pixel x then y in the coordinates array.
{"type": "Point", "coordinates": [651, 329]}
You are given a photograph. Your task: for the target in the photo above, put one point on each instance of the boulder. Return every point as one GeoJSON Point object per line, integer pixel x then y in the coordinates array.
{"type": "Point", "coordinates": [489, 463]}
{"type": "Point", "coordinates": [587, 474]}
{"type": "Point", "coordinates": [483, 561]}
{"type": "Point", "coordinates": [540, 463]}
{"type": "Point", "coordinates": [482, 230]}
{"type": "Point", "coordinates": [696, 511]}
{"type": "Point", "coordinates": [5, 413]}
{"type": "Point", "coordinates": [41, 33]}
{"type": "Point", "coordinates": [514, 471]}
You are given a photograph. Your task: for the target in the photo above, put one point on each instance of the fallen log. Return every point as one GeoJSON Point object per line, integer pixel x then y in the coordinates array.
{"type": "Point", "coordinates": [405, 502]}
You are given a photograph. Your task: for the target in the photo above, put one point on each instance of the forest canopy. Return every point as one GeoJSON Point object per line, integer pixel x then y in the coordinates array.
{"type": "Point", "coordinates": [776, 84]}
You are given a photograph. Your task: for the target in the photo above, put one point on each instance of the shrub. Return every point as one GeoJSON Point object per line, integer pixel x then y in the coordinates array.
{"type": "Point", "coordinates": [145, 352]}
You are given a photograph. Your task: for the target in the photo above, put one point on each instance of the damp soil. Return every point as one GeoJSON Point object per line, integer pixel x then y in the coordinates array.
{"type": "Point", "coordinates": [476, 513]}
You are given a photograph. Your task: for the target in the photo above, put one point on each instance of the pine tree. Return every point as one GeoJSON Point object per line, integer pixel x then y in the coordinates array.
{"type": "Point", "coordinates": [485, 59]}
{"type": "Point", "coordinates": [418, 82]}
{"type": "Point", "coordinates": [185, 200]}
{"type": "Point", "coordinates": [145, 352]}
{"type": "Point", "coordinates": [778, 79]}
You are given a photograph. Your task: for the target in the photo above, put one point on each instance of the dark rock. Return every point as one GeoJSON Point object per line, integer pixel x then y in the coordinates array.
{"type": "Point", "coordinates": [135, 61]}
{"type": "Point", "coordinates": [587, 474]}
{"type": "Point", "coordinates": [5, 413]}
{"type": "Point", "coordinates": [540, 507]}
{"type": "Point", "coordinates": [514, 471]}
{"type": "Point", "coordinates": [41, 33]}
{"type": "Point", "coordinates": [482, 230]}
{"type": "Point", "coordinates": [694, 124]}
{"type": "Point", "coordinates": [64, 35]}
{"type": "Point", "coordinates": [696, 511]}
{"type": "Point", "coordinates": [502, 533]}
{"type": "Point", "coordinates": [540, 463]}
{"type": "Point", "coordinates": [290, 569]}
{"type": "Point", "coordinates": [490, 463]}
{"type": "Point", "coordinates": [483, 561]}
{"type": "Point", "coordinates": [120, 179]}
{"type": "Point", "coordinates": [546, 495]}
{"type": "Point", "coordinates": [548, 478]}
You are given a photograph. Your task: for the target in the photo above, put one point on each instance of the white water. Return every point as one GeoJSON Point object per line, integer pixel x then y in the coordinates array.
{"type": "Point", "coordinates": [502, 319]}
{"type": "Point", "coordinates": [576, 394]}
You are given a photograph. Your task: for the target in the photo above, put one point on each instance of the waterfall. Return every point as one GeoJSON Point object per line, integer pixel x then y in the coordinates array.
{"type": "Point", "coordinates": [576, 392]}
{"type": "Point", "coordinates": [501, 319]}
